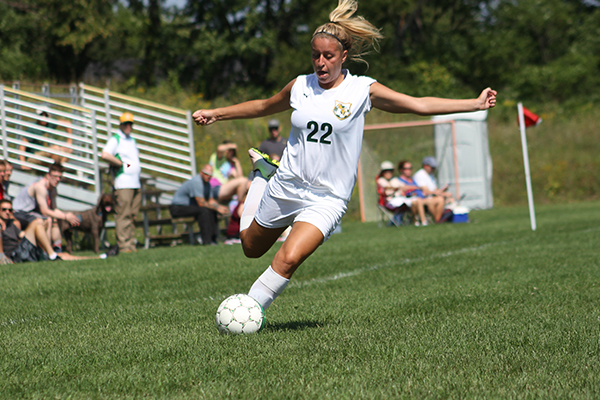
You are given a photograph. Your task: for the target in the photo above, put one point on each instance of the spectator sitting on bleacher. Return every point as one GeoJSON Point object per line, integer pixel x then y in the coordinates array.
{"type": "Point", "coordinates": [196, 198]}
{"type": "Point", "coordinates": [425, 178]}
{"type": "Point", "coordinates": [434, 204]}
{"type": "Point", "coordinates": [228, 178]}
{"type": "Point", "coordinates": [38, 139]}
{"type": "Point", "coordinates": [38, 201]}
{"type": "Point", "coordinates": [395, 198]}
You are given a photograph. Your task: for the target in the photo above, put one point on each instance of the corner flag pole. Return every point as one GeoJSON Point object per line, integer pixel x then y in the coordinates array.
{"type": "Point", "coordinates": [526, 164]}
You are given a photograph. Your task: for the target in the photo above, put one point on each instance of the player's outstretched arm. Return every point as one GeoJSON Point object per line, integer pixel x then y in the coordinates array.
{"type": "Point", "coordinates": [389, 100]}
{"type": "Point", "coordinates": [248, 109]}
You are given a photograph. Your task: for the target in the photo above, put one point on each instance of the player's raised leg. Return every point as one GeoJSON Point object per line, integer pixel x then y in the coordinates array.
{"type": "Point", "coordinates": [255, 238]}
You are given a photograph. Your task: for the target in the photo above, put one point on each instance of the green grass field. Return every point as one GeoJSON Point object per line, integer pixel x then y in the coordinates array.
{"type": "Point", "coordinates": [488, 309]}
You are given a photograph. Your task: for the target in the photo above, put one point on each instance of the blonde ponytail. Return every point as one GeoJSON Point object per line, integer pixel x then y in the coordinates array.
{"type": "Point", "coordinates": [355, 34]}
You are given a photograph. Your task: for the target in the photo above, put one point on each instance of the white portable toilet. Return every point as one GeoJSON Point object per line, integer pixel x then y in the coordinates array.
{"type": "Point", "coordinates": [469, 151]}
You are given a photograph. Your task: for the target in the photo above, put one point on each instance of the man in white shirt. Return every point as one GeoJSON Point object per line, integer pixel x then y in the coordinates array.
{"type": "Point", "coordinates": [425, 178]}
{"type": "Point", "coordinates": [122, 154]}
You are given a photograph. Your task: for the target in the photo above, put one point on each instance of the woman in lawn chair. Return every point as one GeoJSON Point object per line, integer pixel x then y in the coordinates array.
{"type": "Point", "coordinates": [434, 204]}
{"type": "Point", "coordinates": [392, 197]}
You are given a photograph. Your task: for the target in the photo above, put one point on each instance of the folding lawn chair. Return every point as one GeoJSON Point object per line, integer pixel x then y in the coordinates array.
{"type": "Point", "coordinates": [392, 216]}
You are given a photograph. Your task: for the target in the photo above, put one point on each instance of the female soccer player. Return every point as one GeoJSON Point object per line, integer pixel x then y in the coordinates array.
{"type": "Point", "coordinates": [317, 172]}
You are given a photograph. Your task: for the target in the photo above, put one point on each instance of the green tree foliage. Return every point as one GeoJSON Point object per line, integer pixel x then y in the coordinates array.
{"type": "Point", "coordinates": [53, 38]}
{"type": "Point", "coordinates": [529, 49]}
{"type": "Point", "coordinates": [20, 51]}
{"type": "Point", "coordinates": [544, 50]}
{"type": "Point", "coordinates": [246, 43]}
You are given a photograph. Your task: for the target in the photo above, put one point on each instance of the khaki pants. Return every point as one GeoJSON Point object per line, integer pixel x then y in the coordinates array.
{"type": "Point", "coordinates": [127, 209]}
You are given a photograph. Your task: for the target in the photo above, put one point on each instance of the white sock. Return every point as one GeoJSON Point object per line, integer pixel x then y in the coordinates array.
{"type": "Point", "coordinates": [267, 287]}
{"type": "Point", "coordinates": [52, 256]}
{"type": "Point", "coordinates": [255, 193]}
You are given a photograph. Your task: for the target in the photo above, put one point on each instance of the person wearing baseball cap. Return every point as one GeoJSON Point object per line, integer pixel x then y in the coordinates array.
{"type": "Point", "coordinates": [275, 144]}
{"type": "Point", "coordinates": [425, 177]}
{"type": "Point", "coordinates": [122, 153]}
{"type": "Point", "coordinates": [392, 196]}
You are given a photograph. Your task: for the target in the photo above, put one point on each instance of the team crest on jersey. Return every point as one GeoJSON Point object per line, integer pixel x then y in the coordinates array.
{"type": "Point", "coordinates": [342, 110]}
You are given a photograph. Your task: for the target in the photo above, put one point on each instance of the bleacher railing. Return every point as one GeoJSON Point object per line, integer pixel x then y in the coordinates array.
{"type": "Point", "coordinates": [33, 141]}
{"type": "Point", "coordinates": [164, 135]}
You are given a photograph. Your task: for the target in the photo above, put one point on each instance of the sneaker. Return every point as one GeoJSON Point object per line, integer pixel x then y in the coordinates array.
{"type": "Point", "coordinates": [263, 163]}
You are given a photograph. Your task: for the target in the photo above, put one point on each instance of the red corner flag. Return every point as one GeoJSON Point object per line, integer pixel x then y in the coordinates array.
{"type": "Point", "coordinates": [531, 119]}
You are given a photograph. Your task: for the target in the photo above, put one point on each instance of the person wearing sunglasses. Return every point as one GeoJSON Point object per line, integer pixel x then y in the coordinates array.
{"type": "Point", "coordinates": [28, 245]}
{"type": "Point", "coordinates": [435, 205]}
{"type": "Point", "coordinates": [5, 214]}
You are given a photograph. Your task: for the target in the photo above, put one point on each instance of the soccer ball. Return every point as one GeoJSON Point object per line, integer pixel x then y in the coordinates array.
{"type": "Point", "coordinates": [239, 314]}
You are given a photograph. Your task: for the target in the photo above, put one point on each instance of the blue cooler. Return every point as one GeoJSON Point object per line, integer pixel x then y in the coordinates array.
{"type": "Point", "coordinates": [460, 215]}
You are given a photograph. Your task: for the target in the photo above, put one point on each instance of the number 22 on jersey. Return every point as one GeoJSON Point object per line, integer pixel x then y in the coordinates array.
{"type": "Point", "coordinates": [319, 134]}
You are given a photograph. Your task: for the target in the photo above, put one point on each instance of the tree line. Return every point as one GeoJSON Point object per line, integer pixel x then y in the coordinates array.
{"type": "Point", "coordinates": [530, 49]}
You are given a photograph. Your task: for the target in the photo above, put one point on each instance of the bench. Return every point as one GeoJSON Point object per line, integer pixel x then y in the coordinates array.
{"type": "Point", "coordinates": [153, 216]}
{"type": "Point", "coordinates": [173, 236]}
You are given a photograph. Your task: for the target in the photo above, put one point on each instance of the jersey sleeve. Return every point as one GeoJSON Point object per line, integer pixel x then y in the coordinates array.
{"type": "Point", "coordinates": [366, 82]}
{"type": "Point", "coordinates": [297, 90]}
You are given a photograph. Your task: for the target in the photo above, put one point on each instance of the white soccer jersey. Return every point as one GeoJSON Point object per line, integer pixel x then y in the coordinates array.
{"type": "Point", "coordinates": [326, 137]}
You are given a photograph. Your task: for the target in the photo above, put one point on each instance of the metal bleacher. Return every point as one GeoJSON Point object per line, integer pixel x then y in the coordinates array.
{"type": "Point", "coordinates": [80, 122]}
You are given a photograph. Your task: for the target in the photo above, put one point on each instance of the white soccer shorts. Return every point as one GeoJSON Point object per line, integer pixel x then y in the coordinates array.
{"type": "Point", "coordinates": [286, 202]}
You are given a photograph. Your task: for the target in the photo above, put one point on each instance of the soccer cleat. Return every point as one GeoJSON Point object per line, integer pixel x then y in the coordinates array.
{"type": "Point", "coordinates": [263, 163]}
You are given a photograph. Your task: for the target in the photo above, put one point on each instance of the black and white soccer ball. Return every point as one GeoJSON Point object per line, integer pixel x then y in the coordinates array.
{"type": "Point", "coordinates": [240, 314]}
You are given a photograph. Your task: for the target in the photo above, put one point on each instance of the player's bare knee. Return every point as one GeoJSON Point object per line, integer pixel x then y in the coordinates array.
{"type": "Point", "coordinates": [287, 260]}
{"type": "Point", "coordinates": [250, 250]}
